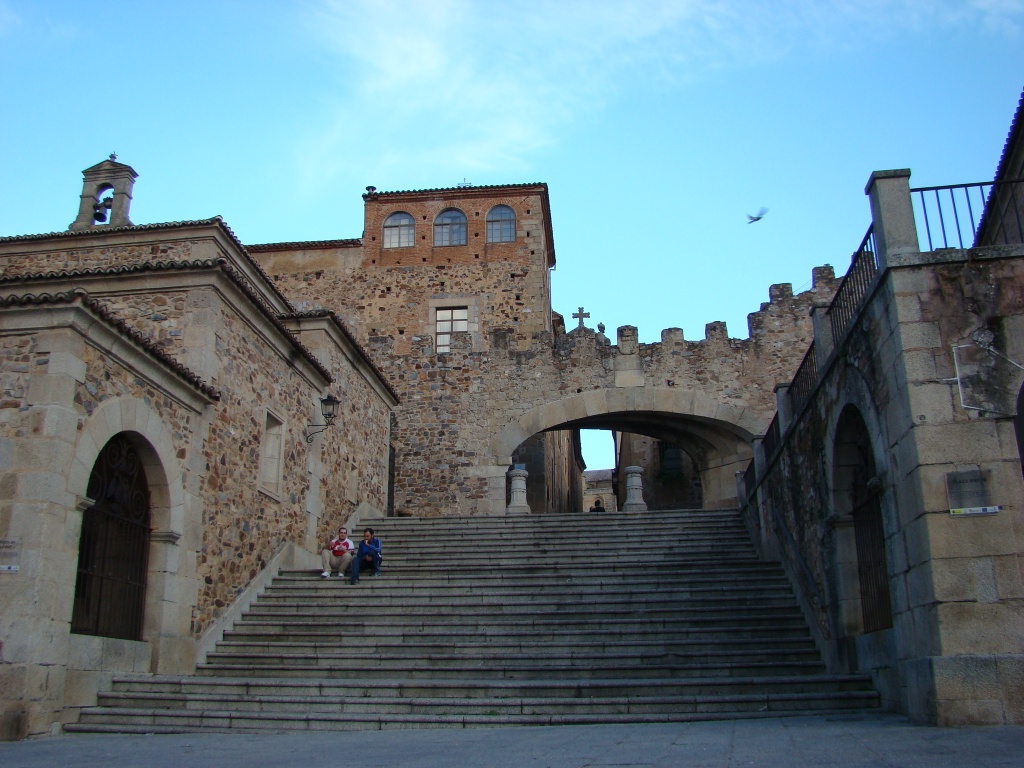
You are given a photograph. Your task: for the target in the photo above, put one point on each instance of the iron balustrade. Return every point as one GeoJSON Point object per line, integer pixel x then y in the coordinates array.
{"type": "Point", "coordinates": [854, 288]}
{"type": "Point", "coordinates": [804, 382]}
{"type": "Point", "coordinates": [970, 215]}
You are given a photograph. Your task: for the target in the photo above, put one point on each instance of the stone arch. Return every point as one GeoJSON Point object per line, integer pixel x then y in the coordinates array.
{"type": "Point", "coordinates": [726, 431]}
{"type": "Point", "coordinates": [859, 557]}
{"type": "Point", "coordinates": [743, 422]}
{"type": "Point", "coordinates": [169, 512]}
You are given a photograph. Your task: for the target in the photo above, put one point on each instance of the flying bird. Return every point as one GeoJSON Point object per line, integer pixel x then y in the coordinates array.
{"type": "Point", "coordinates": [760, 215]}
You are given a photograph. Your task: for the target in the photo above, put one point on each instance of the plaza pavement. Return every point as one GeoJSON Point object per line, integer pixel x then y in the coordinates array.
{"type": "Point", "coordinates": [851, 740]}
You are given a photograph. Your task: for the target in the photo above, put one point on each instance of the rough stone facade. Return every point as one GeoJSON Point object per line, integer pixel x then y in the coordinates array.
{"type": "Point", "coordinates": [172, 336]}
{"type": "Point", "coordinates": [515, 371]}
{"type": "Point", "coordinates": [917, 394]}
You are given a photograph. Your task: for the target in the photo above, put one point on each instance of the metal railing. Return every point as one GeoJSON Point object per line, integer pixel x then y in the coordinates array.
{"type": "Point", "coordinates": [804, 381]}
{"type": "Point", "coordinates": [970, 215]}
{"type": "Point", "coordinates": [854, 287]}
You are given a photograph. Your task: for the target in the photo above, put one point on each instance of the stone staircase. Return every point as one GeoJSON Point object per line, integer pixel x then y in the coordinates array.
{"type": "Point", "coordinates": [538, 620]}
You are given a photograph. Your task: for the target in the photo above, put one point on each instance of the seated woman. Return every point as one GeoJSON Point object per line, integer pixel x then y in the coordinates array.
{"type": "Point", "coordinates": [369, 553]}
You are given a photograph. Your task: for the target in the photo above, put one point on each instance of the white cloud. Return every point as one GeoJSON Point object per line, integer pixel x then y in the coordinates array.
{"type": "Point", "coordinates": [462, 87]}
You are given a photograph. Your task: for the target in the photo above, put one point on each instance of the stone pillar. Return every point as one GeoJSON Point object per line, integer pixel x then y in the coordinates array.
{"type": "Point", "coordinates": [823, 341]}
{"type": "Point", "coordinates": [518, 505]}
{"type": "Point", "coordinates": [892, 213]}
{"type": "Point", "coordinates": [634, 490]}
{"type": "Point", "coordinates": [782, 406]}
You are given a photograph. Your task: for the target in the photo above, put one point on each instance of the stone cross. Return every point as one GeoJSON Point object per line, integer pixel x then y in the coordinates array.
{"type": "Point", "coordinates": [581, 314]}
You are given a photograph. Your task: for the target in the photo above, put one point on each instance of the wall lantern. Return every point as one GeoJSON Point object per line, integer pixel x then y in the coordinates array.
{"type": "Point", "coordinates": [329, 410]}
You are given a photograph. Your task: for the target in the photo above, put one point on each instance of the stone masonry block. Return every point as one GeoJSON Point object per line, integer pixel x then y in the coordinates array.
{"type": "Point", "coordinates": [980, 628]}
{"type": "Point", "coordinates": [1009, 574]}
{"type": "Point", "coordinates": [933, 401]}
{"type": "Point", "coordinates": [50, 389]}
{"type": "Point", "coordinates": [920, 335]}
{"type": "Point", "coordinates": [961, 443]}
{"type": "Point", "coordinates": [984, 536]}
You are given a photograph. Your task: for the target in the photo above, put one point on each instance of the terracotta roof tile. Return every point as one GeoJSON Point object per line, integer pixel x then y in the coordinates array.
{"type": "Point", "coordinates": [261, 247]}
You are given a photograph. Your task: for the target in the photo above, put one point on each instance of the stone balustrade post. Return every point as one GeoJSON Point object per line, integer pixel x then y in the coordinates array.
{"type": "Point", "coordinates": [782, 406]}
{"type": "Point", "coordinates": [518, 505]}
{"type": "Point", "coordinates": [823, 341]}
{"type": "Point", "coordinates": [892, 213]}
{"type": "Point", "coordinates": [634, 490]}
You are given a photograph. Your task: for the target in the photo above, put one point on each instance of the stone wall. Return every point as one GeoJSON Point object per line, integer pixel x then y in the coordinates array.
{"type": "Point", "coordinates": [514, 358]}
{"type": "Point", "coordinates": [82, 367]}
{"type": "Point", "coordinates": [954, 654]}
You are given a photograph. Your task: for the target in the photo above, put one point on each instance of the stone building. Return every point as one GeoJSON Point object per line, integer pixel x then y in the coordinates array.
{"type": "Point", "coordinates": [157, 391]}
{"type": "Point", "coordinates": [890, 482]}
{"type": "Point", "coordinates": [166, 394]}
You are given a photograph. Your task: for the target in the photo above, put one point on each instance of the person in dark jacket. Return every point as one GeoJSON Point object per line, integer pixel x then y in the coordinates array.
{"type": "Point", "coordinates": [369, 553]}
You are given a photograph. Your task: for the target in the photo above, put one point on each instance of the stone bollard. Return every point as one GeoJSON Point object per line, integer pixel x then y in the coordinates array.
{"type": "Point", "coordinates": [634, 490]}
{"type": "Point", "coordinates": [518, 505]}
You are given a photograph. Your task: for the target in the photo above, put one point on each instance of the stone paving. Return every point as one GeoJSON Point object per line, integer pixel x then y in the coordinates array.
{"type": "Point", "coordinates": [849, 740]}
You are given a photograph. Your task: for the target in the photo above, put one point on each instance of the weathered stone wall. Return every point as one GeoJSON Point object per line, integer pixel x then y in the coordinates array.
{"type": "Point", "coordinates": [954, 653]}
{"type": "Point", "coordinates": [454, 405]}
{"type": "Point", "coordinates": [218, 521]}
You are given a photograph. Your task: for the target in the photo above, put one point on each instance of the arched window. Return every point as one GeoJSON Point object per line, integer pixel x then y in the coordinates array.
{"type": "Point", "coordinates": [113, 549]}
{"type": "Point", "coordinates": [501, 224]}
{"type": "Point", "coordinates": [450, 228]}
{"type": "Point", "coordinates": [399, 230]}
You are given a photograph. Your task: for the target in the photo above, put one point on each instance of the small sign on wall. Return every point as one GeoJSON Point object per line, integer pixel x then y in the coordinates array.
{"type": "Point", "coordinates": [10, 555]}
{"type": "Point", "coordinates": [968, 493]}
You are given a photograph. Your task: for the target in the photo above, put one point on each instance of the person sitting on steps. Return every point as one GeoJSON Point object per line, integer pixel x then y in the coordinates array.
{"type": "Point", "coordinates": [597, 506]}
{"type": "Point", "coordinates": [369, 554]}
{"type": "Point", "coordinates": [338, 554]}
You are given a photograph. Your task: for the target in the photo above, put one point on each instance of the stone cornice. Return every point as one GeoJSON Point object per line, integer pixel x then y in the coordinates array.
{"type": "Point", "coordinates": [150, 269]}
{"type": "Point", "coordinates": [346, 342]}
{"type": "Point", "coordinates": [111, 336]}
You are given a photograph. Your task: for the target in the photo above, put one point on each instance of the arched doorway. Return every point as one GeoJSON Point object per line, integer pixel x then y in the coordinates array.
{"type": "Point", "coordinates": [861, 567]}
{"type": "Point", "coordinates": [113, 549]}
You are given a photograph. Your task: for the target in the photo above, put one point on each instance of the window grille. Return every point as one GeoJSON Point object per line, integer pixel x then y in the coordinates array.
{"type": "Point", "coordinates": [501, 224]}
{"type": "Point", "coordinates": [449, 321]}
{"type": "Point", "coordinates": [399, 230]}
{"type": "Point", "coordinates": [450, 228]}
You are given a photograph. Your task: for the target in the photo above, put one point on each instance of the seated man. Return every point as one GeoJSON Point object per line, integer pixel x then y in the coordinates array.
{"type": "Point", "coordinates": [338, 554]}
{"type": "Point", "coordinates": [369, 554]}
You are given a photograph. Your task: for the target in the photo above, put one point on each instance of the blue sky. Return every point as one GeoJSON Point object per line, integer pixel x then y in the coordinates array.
{"type": "Point", "coordinates": [657, 125]}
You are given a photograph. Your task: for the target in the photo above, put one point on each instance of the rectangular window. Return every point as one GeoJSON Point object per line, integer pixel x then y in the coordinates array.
{"type": "Point", "coordinates": [272, 455]}
{"type": "Point", "coordinates": [448, 321]}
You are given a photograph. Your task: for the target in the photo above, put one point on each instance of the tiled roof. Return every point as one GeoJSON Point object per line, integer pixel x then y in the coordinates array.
{"type": "Point", "coordinates": [79, 296]}
{"type": "Point", "coordinates": [330, 313]}
{"type": "Point", "coordinates": [214, 221]}
{"type": "Point", "coordinates": [163, 266]}
{"type": "Point", "coordinates": [1014, 139]}
{"type": "Point", "coordinates": [354, 242]}
{"type": "Point", "coordinates": [471, 187]}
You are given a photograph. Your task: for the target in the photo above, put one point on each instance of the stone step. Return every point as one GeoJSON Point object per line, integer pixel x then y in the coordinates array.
{"type": "Point", "coordinates": [588, 688]}
{"type": "Point", "coordinates": [509, 621]}
{"type": "Point", "coordinates": [500, 647]}
{"type": "Point", "coordinates": [158, 706]}
{"type": "Point", "coordinates": [795, 628]}
{"type": "Point", "coordinates": [467, 669]}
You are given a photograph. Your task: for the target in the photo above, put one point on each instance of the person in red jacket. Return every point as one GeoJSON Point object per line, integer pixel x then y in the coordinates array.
{"type": "Point", "coordinates": [338, 554]}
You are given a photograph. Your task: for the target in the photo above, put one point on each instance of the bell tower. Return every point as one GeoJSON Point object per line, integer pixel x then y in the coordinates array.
{"type": "Point", "coordinates": [106, 195]}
